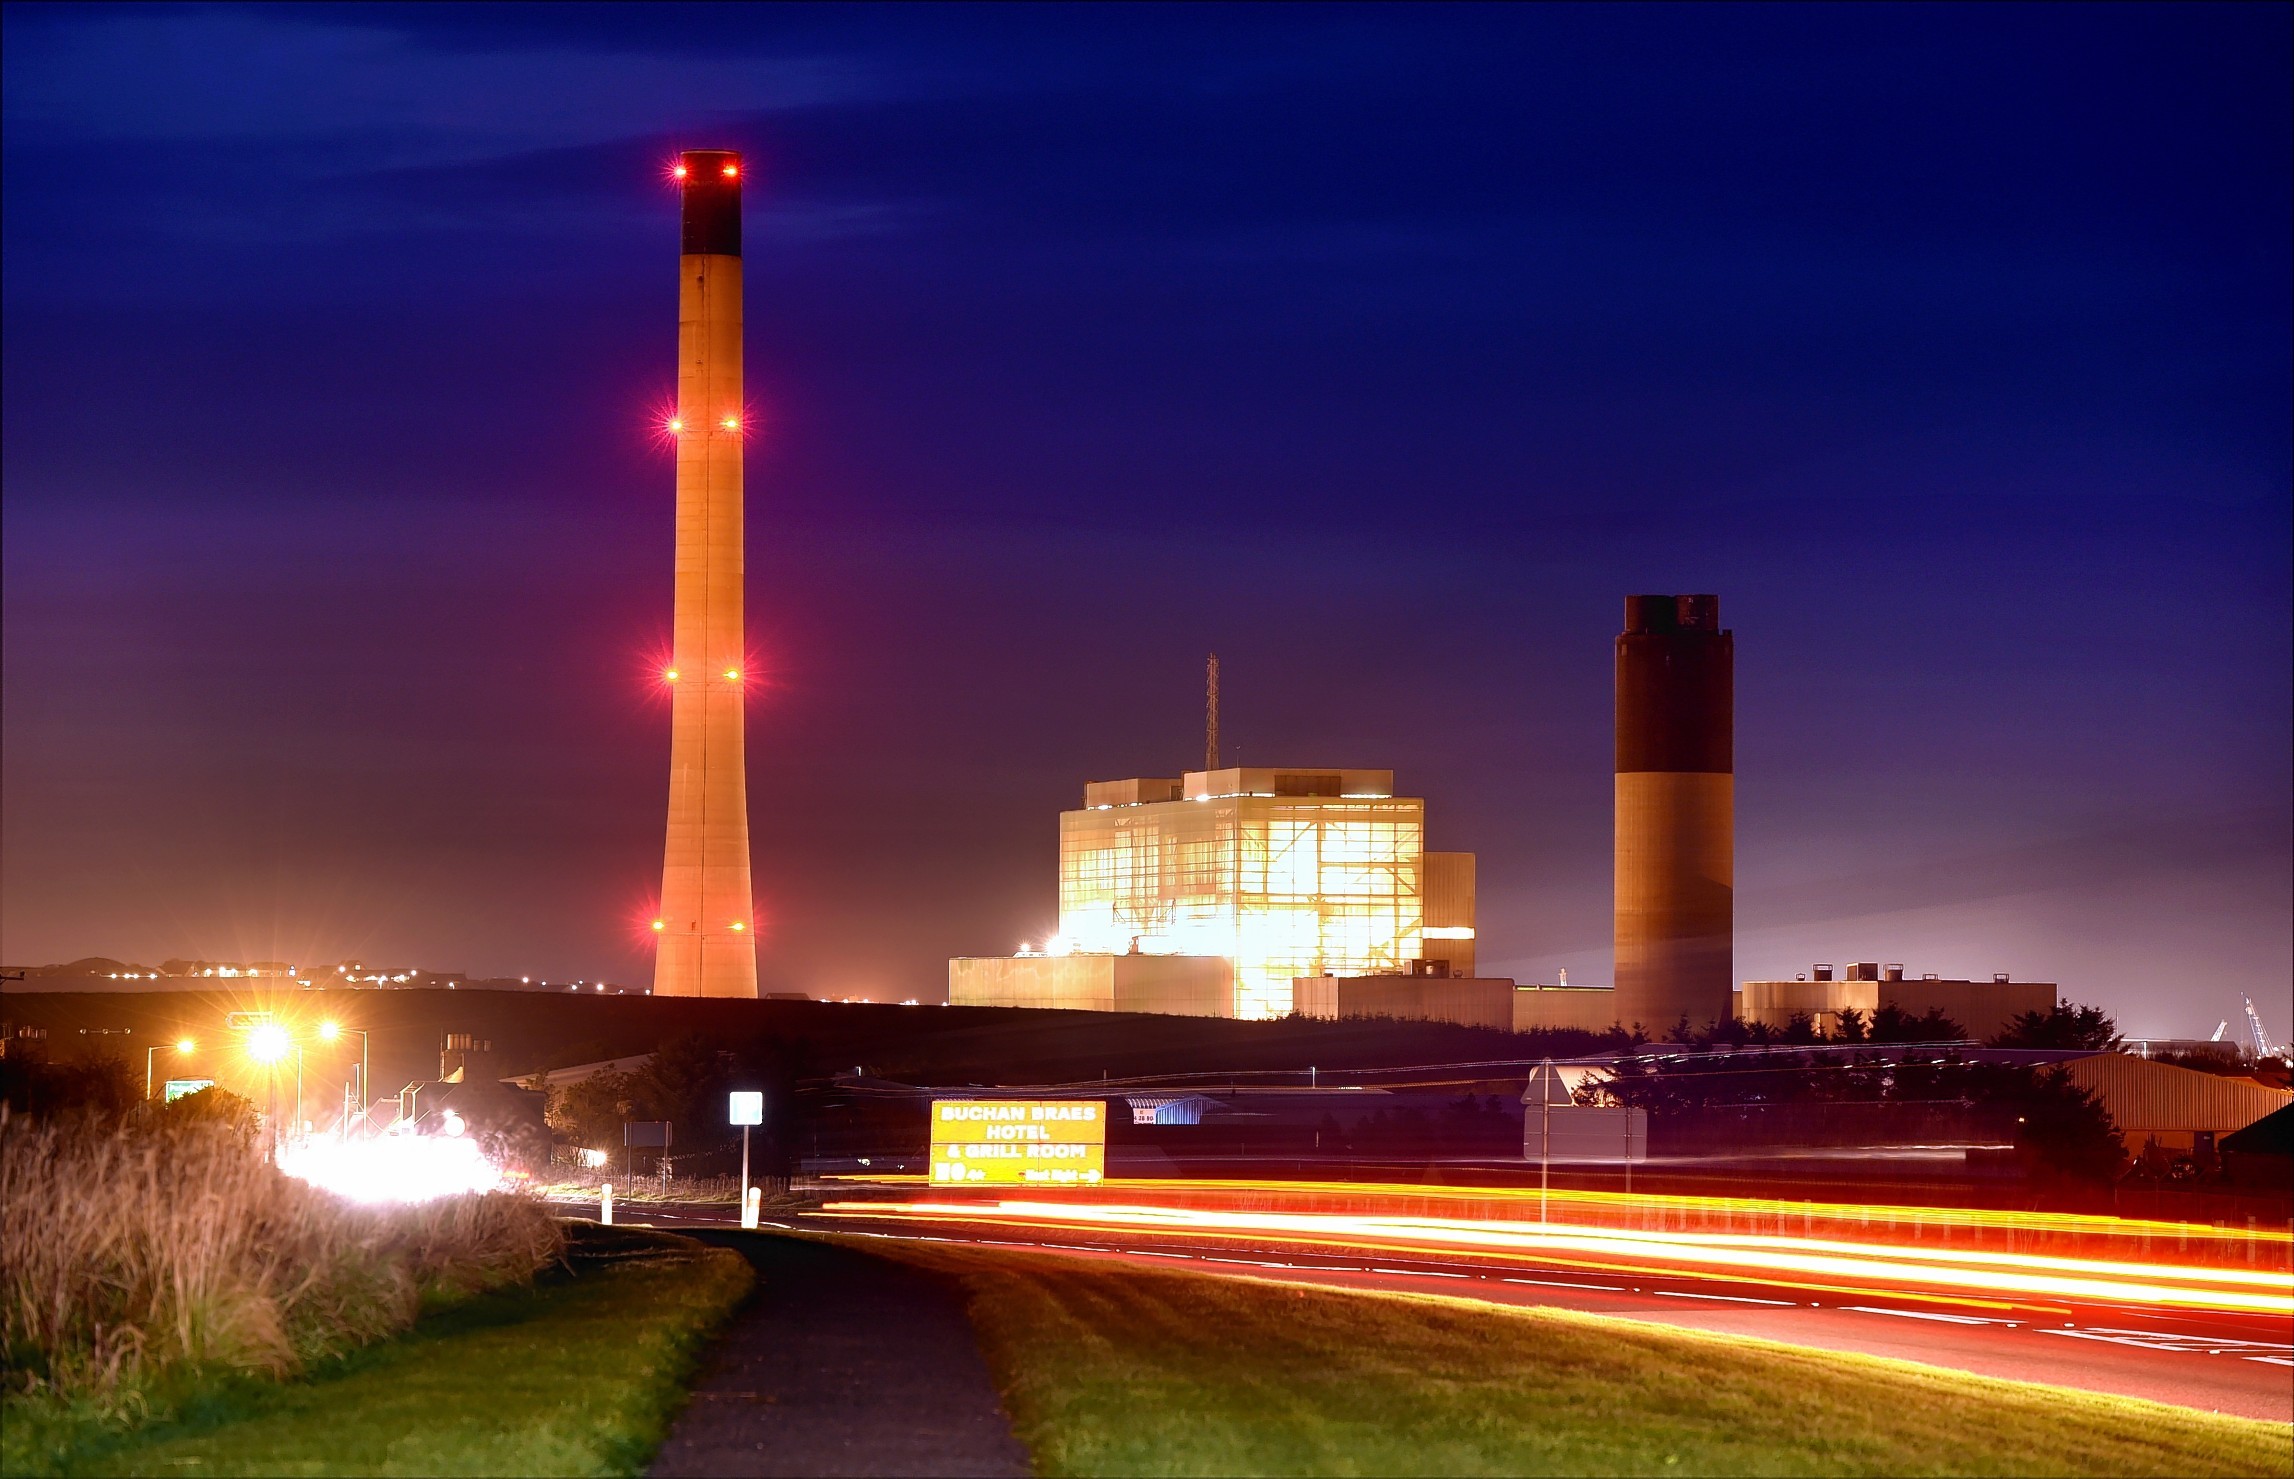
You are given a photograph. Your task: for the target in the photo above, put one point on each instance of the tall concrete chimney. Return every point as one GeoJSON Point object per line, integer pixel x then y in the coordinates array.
{"type": "Point", "coordinates": [707, 941]}
{"type": "Point", "coordinates": [1676, 812]}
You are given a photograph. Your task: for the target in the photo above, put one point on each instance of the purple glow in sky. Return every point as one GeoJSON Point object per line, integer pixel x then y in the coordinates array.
{"type": "Point", "coordinates": [1381, 350]}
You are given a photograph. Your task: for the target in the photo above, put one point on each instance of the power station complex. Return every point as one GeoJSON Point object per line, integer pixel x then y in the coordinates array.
{"type": "Point", "coordinates": [1227, 892]}
{"type": "Point", "coordinates": [1261, 892]}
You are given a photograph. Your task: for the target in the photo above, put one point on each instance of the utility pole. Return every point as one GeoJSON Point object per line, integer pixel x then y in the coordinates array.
{"type": "Point", "coordinates": [1211, 714]}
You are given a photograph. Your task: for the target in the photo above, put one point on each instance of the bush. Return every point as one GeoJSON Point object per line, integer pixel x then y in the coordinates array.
{"type": "Point", "coordinates": [146, 1249]}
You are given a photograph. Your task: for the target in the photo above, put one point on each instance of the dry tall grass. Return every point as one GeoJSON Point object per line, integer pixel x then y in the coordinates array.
{"type": "Point", "coordinates": [127, 1253]}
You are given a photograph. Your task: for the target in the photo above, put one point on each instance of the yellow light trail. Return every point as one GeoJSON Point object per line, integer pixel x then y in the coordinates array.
{"type": "Point", "coordinates": [1562, 1201]}
{"type": "Point", "coordinates": [2031, 1275]}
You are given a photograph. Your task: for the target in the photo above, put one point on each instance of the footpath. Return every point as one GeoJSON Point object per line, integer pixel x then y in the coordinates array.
{"type": "Point", "coordinates": [841, 1364]}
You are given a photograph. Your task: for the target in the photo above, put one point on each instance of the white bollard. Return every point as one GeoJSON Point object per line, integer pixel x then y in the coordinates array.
{"type": "Point", "coordinates": [751, 1205]}
{"type": "Point", "coordinates": [605, 1206]}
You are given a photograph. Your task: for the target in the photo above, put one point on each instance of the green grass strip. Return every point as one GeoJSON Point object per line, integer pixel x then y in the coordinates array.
{"type": "Point", "coordinates": [1112, 1370]}
{"type": "Point", "coordinates": [579, 1375]}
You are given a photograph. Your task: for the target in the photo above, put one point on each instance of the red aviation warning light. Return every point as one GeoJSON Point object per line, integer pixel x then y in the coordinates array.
{"type": "Point", "coordinates": [677, 172]}
{"type": "Point", "coordinates": [732, 170]}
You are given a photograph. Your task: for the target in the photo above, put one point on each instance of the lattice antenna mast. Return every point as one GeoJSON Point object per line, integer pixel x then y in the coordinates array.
{"type": "Point", "coordinates": [1211, 713]}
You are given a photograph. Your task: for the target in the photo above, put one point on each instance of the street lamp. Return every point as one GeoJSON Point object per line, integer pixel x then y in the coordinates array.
{"type": "Point", "coordinates": [267, 1043]}
{"type": "Point", "coordinates": [330, 1031]}
{"type": "Point", "coordinates": [183, 1046]}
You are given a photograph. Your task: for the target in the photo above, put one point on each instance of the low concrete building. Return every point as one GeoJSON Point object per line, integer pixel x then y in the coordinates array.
{"type": "Point", "coordinates": [1584, 1008]}
{"type": "Point", "coordinates": [1983, 1008]}
{"type": "Point", "coordinates": [1172, 985]}
{"type": "Point", "coordinates": [1469, 1001]}
{"type": "Point", "coordinates": [2178, 1109]}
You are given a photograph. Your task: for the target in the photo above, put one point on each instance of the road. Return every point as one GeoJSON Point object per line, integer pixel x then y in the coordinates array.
{"type": "Point", "coordinates": [2219, 1360]}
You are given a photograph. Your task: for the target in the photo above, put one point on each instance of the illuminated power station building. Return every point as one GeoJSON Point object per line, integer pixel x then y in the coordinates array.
{"type": "Point", "coordinates": [1211, 894]}
{"type": "Point", "coordinates": [1676, 813]}
{"type": "Point", "coordinates": [705, 944]}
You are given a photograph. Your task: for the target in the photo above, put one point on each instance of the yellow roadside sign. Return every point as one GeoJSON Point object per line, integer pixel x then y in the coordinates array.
{"type": "Point", "coordinates": [1019, 1142]}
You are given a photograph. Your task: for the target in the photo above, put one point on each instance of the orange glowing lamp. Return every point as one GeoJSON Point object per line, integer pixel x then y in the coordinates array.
{"type": "Point", "coordinates": [676, 424]}
{"type": "Point", "coordinates": [733, 675]}
{"type": "Point", "coordinates": [668, 675]}
{"type": "Point", "coordinates": [659, 925]}
{"type": "Point", "coordinates": [736, 924]}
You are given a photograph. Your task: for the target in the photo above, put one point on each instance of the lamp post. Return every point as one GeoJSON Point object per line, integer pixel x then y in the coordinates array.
{"type": "Point", "coordinates": [267, 1044]}
{"type": "Point", "coordinates": [328, 1032]}
{"type": "Point", "coordinates": [183, 1046]}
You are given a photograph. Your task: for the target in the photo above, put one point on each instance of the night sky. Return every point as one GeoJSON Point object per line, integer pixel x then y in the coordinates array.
{"type": "Point", "coordinates": [1382, 351]}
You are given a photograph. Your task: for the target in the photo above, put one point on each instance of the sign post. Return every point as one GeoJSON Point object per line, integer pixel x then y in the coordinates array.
{"type": "Point", "coordinates": [747, 1107]}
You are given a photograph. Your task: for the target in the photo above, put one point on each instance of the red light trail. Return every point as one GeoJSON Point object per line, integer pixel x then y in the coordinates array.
{"type": "Point", "coordinates": [1951, 1275]}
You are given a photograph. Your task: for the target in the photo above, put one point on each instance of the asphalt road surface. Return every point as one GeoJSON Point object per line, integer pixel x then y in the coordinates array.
{"type": "Point", "coordinates": [2241, 1364]}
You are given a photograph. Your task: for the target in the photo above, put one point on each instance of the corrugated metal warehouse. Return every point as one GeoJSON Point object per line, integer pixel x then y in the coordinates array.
{"type": "Point", "coordinates": [2172, 1106]}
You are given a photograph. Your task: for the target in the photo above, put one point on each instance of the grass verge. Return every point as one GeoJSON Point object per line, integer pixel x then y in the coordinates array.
{"type": "Point", "coordinates": [578, 1375]}
{"type": "Point", "coordinates": [1112, 1370]}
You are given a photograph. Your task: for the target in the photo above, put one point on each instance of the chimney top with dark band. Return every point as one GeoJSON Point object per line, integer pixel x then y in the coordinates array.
{"type": "Point", "coordinates": [710, 180]}
{"type": "Point", "coordinates": [1647, 615]}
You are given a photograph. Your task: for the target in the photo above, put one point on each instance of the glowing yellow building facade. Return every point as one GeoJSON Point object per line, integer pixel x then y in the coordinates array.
{"type": "Point", "coordinates": [1282, 873]}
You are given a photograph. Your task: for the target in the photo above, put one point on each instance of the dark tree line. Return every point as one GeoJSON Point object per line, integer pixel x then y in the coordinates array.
{"type": "Point", "coordinates": [687, 1081]}
{"type": "Point", "coordinates": [2058, 1125]}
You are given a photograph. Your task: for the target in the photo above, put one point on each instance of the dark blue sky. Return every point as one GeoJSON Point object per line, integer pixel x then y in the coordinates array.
{"type": "Point", "coordinates": [1382, 350]}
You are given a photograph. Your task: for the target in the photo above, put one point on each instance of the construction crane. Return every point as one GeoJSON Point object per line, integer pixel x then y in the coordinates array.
{"type": "Point", "coordinates": [2262, 1048]}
